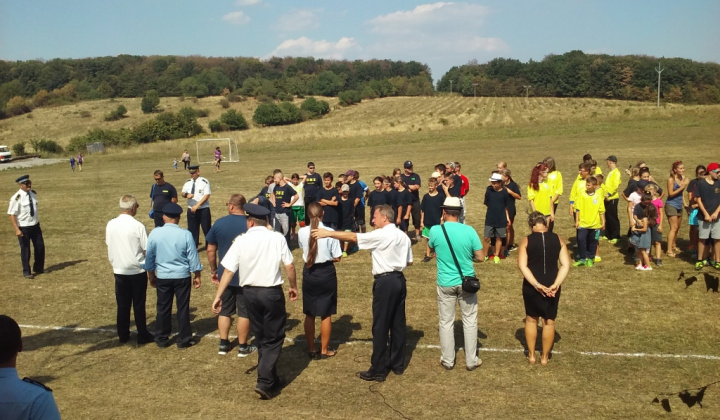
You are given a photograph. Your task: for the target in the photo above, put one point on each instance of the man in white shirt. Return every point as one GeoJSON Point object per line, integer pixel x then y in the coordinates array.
{"type": "Point", "coordinates": [126, 239]}
{"type": "Point", "coordinates": [256, 256]}
{"type": "Point", "coordinates": [391, 253]}
{"type": "Point", "coordinates": [23, 214]}
{"type": "Point", "coordinates": [197, 191]}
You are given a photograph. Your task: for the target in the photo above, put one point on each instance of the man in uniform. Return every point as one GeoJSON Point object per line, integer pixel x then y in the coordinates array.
{"type": "Point", "coordinates": [197, 191]}
{"type": "Point", "coordinates": [126, 239]}
{"type": "Point", "coordinates": [171, 257]}
{"type": "Point", "coordinates": [413, 184]}
{"type": "Point", "coordinates": [313, 183]}
{"type": "Point", "coordinates": [161, 193]}
{"type": "Point", "coordinates": [221, 236]}
{"type": "Point", "coordinates": [20, 399]}
{"type": "Point", "coordinates": [23, 213]}
{"type": "Point", "coordinates": [391, 253]}
{"type": "Point", "coordinates": [256, 256]}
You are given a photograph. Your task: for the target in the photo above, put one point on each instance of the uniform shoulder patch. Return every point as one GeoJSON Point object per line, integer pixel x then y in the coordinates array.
{"type": "Point", "coordinates": [36, 383]}
{"type": "Point", "coordinates": [17, 197]}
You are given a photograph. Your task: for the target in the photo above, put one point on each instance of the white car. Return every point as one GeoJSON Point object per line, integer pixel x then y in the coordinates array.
{"type": "Point", "coordinates": [5, 154]}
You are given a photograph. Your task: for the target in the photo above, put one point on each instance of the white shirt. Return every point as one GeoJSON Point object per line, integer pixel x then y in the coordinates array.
{"type": "Point", "coordinates": [126, 239]}
{"type": "Point", "coordinates": [391, 248]}
{"type": "Point", "coordinates": [202, 188]}
{"type": "Point", "coordinates": [299, 190]}
{"type": "Point", "coordinates": [20, 207]}
{"type": "Point", "coordinates": [327, 248]}
{"type": "Point", "coordinates": [256, 257]}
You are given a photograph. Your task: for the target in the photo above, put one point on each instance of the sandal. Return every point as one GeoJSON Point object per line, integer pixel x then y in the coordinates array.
{"type": "Point", "coordinates": [671, 254]}
{"type": "Point", "coordinates": [330, 353]}
{"type": "Point", "coordinates": [314, 355]}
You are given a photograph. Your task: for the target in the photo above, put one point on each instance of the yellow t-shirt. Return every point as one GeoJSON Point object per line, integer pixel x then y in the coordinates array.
{"type": "Point", "coordinates": [542, 198]}
{"type": "Point", "coordinates": [590, 207]}
{"type": "Point", "coordinates": [612, 183]}
{"type": "Point", "coordinates": [555, 180]}
{"type": "Point", "coordinates": [598, 171]}
{"type": "Point", "coordinates": [578, 185]}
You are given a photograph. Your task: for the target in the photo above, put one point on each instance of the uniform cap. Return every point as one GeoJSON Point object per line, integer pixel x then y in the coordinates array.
{"type": "Point", "coordinates": [256, 211]}
{"type": "Point", "coordinates": [193, 169]}
{"type": "Point", "coordinates": [172, 210]}
{"type": "Point", "coordinates": [27, 178]}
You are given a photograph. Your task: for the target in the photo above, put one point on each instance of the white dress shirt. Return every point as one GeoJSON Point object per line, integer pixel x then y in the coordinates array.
{"type": "Point", "coordinates": [126, 239]}
{"type": "Point", "coordinates": [20, 207]}
{"type": "Point", "coordinates": [327, 248]}
{"type": "Point", "coordinates": [202, 188]}
{"type": "Point", "coordinates": [256, 257]}
{"type": "Point", "coordinates": [391, 249]}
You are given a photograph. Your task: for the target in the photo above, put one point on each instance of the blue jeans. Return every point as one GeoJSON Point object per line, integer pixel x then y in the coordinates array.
{"type": "Point", "coordinates": [587, 243]}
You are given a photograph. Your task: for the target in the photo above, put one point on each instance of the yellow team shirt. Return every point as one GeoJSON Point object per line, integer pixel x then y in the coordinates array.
{"type": "Point", "coordinates": [589, 209]}
{"type": "Point", "coordinates": [555, 180]}
{"type": "Point", "coordinates": [578, 185]}
{"type": "Point", "coordinates": [598, 171]}
{"type": "Point", "coordinates": [542, 197]}
{"type": "Point", "coordinates": [611, 185]}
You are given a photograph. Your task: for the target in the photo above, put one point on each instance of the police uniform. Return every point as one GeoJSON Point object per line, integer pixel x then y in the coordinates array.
{"type": "Point", "coordinates": [24, 208]}
{"type": "Point", "coordinates": [255, 257]}
{"type": "Point", "coordinates": [25, 399]}
{"type": "Point", "coordinates": [199, 188]}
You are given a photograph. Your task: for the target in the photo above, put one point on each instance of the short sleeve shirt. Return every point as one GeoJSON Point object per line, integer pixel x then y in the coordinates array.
{"type": "Point", "coordinates": [430, 206]}
{"type": "Point", "coordinates": [20, 207]}
{"type": "Point", "coordinates": [464, 241]}
{"type": "Point", "coordinates": [202, 188]}
{"type": "Point", "coordinates": [313, 184]}
{"type": "Point", "coordinates": [223, 233]}
{"type": "Point", "coordinates": [496, 202]}
{"type": "Point", "coordinates": [331, 212]}
{"type": "Point", "coordinates": [162, 194]}
{"type": "Point", "coordinates": [327, 248]}
{"type": "Point", "coordinates": [283, 194]}
{"type": "Point", "coordinates": [710, 196]}
{"type": "Point", "coordinates": [256, 256]}
{"type": "Point", "coordinates": [391, 248]}
{"type": "Point", "coordinates": [412, 179]}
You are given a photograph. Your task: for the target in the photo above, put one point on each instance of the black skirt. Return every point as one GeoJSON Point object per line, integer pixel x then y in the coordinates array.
{"type": "Point", "coordinates": [319, 290]}
{"type": "Point", "coordinates": [537, 305]}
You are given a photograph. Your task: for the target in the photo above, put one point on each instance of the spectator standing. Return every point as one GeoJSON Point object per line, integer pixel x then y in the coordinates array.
{"type": "Point", "coordinates": [197, 191]}
{"type": "Point", "coordinates": [23, 212]}
{"type": "Point", "coordinates": [161, 193]}
{"type": "Point", "coordinates": [612, 197]}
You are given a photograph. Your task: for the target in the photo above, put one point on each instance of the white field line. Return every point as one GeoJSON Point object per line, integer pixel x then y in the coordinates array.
{"type": "Point", "coordinates": [422, 346]}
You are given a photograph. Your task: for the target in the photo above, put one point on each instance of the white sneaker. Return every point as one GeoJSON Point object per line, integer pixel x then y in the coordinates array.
{"type": "Point", "coordinates": [639, 267]}
{"type": "Point", "coordinates": [646, 268]}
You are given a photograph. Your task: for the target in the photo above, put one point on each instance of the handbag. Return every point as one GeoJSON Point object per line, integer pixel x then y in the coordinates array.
{"type": "Point", "coordinates": [469, 284]}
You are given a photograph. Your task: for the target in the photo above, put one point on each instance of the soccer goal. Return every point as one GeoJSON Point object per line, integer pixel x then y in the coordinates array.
{"type": "Point", "coordinates": [206, 150]}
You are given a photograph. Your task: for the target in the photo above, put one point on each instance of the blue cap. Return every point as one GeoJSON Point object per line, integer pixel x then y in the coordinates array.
{"type": "Point", "coordinates": [172, 210]}
{"type": "Point", "coordinates": [23, 179]}
{"type": "Point", "coordinates": [254, 210]}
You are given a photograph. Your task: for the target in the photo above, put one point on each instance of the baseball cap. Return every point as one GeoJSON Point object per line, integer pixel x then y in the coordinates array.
{"type": "Point", "coordinates": [345, 187]}
{"type": "Point", "coordinates": [408, 164]}
{"type": "Point", "coordinates": [713, 166]}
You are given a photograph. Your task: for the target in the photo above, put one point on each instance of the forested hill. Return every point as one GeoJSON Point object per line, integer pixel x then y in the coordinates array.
{"type": "Point", "coordinates": [576, 74]}
{"type": "Point", "coordinates": [28, 84]}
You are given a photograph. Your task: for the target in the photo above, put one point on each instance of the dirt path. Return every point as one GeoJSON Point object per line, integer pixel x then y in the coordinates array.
{"type": "Point", "coordinates": [29, 163]}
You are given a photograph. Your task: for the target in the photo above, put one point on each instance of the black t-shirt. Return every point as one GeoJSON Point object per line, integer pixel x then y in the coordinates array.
{"type": "Point", "coordinates": [404, 199]}
{"type": "Point", "coordinates": [393, 197]}
{"type": "Point", "coordinates": [313, 184]}
{"type": "Point", "coordinates": [710, 196]}
{"type": "Point", "coordinates": [632, 187]}
{"type": "Point", "coordinates": [412, 179]}
{"type": "Point", "coordinates": [264, 202]}
{"type": "Point", "coordinates": [496, 202]}
{"type": "Point", "coordinates": [356, 191]}
{"type": "Point", "coordinates": [347, 213]}
{"type": "Point", "coordinates": [430, 206]}
{"type": "Point", "coordinates": [456, 188]}
{"type": "Point", "coordinates": [163, 194]}
{"type": "Point", "coordinates": [283, 194]}
{"type": "Point", "coordinates": [331, 212]}
{"type": "Point", "coordinates": [691, 186]}
{"type": "Point", "coordinates": [512, 186]}
{"type": "Point", "coordinates": [264, 192]}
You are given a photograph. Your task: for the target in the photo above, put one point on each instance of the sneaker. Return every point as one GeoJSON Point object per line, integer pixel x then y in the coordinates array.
{"type": "Point", "coordinates": [579, 263]}
{"type": "Point", "coordinates": [513, 247]}
{"type": "Point", "coordinates": [224, 347]}
{"type": "Point", "coordinates": [187, 345]}
{"type": "Point", "coordinates": [496, 260]}
{"type": "Point", "coordinates": [446, 367]}
{"type": "Point", "coordinates": [589, 263]}
{"type": "Point", "coordinates": [471, 368]}
{"type": "Point", "coordinates": [639, 267]}
{"type": "Point", "coordinates": [604, 238]}
{"type": "Point", "coordinates": [597, 258]}
{"type": "Point", "coordinates": [646, 268]}
{"type": "Point", "coordinates": [246, 350]}
{"type": "Point", "coordinates": [426, 259]}
{"type": "Point", "coordinates": [612, 241]}
{"type": "Point", "coordinates": [658, 262]}
{"type": "Point", "coordinates": [716, 265]}
{"type": "Point", "coordinates": [709, 262]}
{"type": "Point", "coordinates": [503, 256]}
{"type": "Point", "coordinates": [699, 265]}
{"type": "Point", "coordinates": [491, 256]}
{"type": "Point", "coordinates": [344, 254]}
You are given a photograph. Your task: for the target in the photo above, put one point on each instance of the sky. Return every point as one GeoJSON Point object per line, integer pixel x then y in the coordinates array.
{"type": "Point", "coordinates": [441, 34]}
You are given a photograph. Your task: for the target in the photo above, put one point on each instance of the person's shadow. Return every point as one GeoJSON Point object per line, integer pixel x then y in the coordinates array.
{"type": "Point", "coordinates": [520, 336]}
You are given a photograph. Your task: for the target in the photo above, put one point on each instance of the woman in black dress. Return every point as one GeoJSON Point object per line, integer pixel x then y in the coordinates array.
{"type": "Point", "coordinates": [538, 257]}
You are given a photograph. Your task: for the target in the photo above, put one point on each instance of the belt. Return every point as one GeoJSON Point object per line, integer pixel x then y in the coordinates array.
{"type": "Point", "coordinates": [322, 264]}
{"type": "Point", "coordinates": [389, 273]}
{"type": "Point", "coordinates": [279, 286]}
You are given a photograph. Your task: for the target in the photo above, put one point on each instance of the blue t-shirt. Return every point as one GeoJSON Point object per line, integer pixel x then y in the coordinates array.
{"type": "Point", "coordinates": [464, 242]}
{"type": "Point", "coordinates": [223, 233]}
{"type": "Point", "coordinates": [364, 190]}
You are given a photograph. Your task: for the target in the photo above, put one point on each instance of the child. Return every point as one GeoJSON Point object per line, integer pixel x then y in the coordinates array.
{"type": "Point", "coordinates": [72, 163]}
{"type": "Point", "coordinates": [327, 196]}
{"type": "Point", "coordinates": [175, 161]}
{"type": "Point", "coordinates": [589, 216]}
{"type": "Point", "coordinates": [347, 214]}
{"type": "Point", "coordinates": [693, 211]}
{"type": "Point", "coordinates": [497, 218]}
{"type": "Point", "coordinates": [644, 215]}
{"type": "Point", "coordinates": [514, 190]}
{"type": "Point", "coordinates": [403, 204]}
{"type": "Point", "coordinates": [376, 197]}
{"type": "Point", "coordinates": [600, 190]}
{"type": "Point", "coordinates": [579, 184]}
{"type": "Point", "coordinates": [430, 213]}
{"type": "Point", "coordinates": [656, 229]}
{"type": "Point", "coordinates": [298, 208]}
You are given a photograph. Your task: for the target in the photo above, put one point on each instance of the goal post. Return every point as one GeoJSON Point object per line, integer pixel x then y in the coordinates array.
{"type": "Point", "coordinates": [205, 149]}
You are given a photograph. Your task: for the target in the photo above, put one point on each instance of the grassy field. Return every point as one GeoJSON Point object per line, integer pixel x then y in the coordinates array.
{"type": "Point", "coordinates": [609, 308]}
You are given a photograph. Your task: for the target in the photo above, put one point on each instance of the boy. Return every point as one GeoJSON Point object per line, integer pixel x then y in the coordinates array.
{"type": "Point", "coordinates": [328, 196]}
{"type": "Point", "coordinates": [589, 216]}
{"type": "Point", "coordinates": [298, 208]}
{"type": "Point", "coordinates": [403, 204]}
{"type": "Point", "coordinates": [497, 218]}
{"type": "Point", "coordinates": [579, 184]}
{"type": "Point", "coordinates": [347, 214]}
{"type": "Point", "coordinates": [430, 213]}
{"type": "Point", "coordinates": [377, 197]}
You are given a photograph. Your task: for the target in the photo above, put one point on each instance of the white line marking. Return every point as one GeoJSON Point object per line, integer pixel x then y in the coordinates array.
{"type": "Point", "coordinates": [422, 346]}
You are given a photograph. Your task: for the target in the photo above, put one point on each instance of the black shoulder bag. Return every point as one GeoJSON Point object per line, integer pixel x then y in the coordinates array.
{"type": "Point", "coordinates": [469, 284]}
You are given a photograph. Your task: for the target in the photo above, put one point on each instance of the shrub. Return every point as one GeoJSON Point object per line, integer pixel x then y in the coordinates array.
{"type": "Point", "coordinates": [285, 97]}
{"type": "Point", "coordinates": [17, 105]}
{"type": "Point", "coordinates": [234, 120]}
{"type": "Point", "coordinates": [202, 113]}
{"type": "Point", "coordinates": [271, 114]}
{"type": "Point", "coordinates": [235, 96]}
{"type": "Point", "coordinates": [150, 102]}
{"type": "Point", "coordinates": [349, 97]}
{"type": "Point", "coordinates": [225, 103]}
{"type": "Point", "coordinates": [117, 114]}
{"type": "Point", "coordinates": [216, 125]}
{"type": "Point", "coordinates": [18, 149]}
{"type": "Point", "coordinates": [45, 146]}
{"type": "Point", "coordinates": [314, 108]}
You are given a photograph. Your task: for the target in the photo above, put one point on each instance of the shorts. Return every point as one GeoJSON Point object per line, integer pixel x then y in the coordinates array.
{"type": "Point", "coordinates": [671, 211]}
{"type": "Point", "coordinates": [655, 236]}
{"type": "Point", "coordinates": [495, 232]}
{"type": "Point", "coordinates": [693, 219]}
{"type": "Point", "coordinates": [232, 302]}
{"type": "Point", "coordinates": [298, 215]}
{"type": "Point", "coordinates": [426, 232]}
{"type": "Point", "coordinates": [709, 230]}
{"type": "Point", "coordinates": [360, 215]}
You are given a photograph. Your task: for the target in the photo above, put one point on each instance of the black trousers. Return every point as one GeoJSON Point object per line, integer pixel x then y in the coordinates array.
{"type": "Point", "coordinates": [166, 290]}
{"type": "Point", "coordinates": [266, 311]}
{"type": "Point", "coordinates": [130, 292]}
{"type": "Point", "coordinates": [612, 221]}
{"type": "Point", "coordinates": [415, 213]}
{"type": "Point", "coordinates": [195, 220]}
{"type": "Point", "coordinates": [32, 234]}
{"type": "Point", "coordinates": [388, 308]}
{"type": "Point", "coordinates": [157, 217]}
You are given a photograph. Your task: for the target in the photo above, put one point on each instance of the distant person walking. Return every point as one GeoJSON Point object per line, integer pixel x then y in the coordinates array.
{"type": "Point", "coordinates": [80, 161]}
{"type": "Point", "coordinates": [72, 163]}
{"type": "Point", "coordinates": [218, 159]}
{"type": "Point", "coordinates": [185, 158]}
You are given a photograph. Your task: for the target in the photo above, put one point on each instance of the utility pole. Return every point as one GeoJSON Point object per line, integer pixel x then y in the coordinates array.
{"type": "Point", "coordinates": [526, 90]}
{"type": "Point", "coordinates": [659, 70]}
{"type": "Point", "coordinates": [474, 89]}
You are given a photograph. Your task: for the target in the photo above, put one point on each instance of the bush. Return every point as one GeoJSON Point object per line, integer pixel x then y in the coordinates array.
{"type": "Point", "coordinates": [17, 105]}
{"type": "Point", "coordinates": [285, 97]}
{"type": "Point", "coordinates": [314, 108]}
{"type": "Point", "coordinates": [349, 97]}
{"type": "Point", "coordinates": [18, 149]}
{"type": "Point", "coordinates": [291, 114]}
{"type": "Point", "coordinates": [269, 114]}
{"type": "Point", "coordinates": [234, 120]}
{"type": "Point", "coordinates": [45, 146]}
{"type": "Point", "coordinates": [150, 102]}
{"type": "Point", "coordinates": [202, 113]}
{"type": "Point", "coordinates": [216, 125]}
{"type": "Point", "coordinates": [224, 103]}
{"type": "Point", "coordinates": [117, 114]}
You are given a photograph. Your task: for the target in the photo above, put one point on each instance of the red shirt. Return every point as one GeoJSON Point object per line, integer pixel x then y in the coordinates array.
{"type": "Point", "coordinates": [465, 187]}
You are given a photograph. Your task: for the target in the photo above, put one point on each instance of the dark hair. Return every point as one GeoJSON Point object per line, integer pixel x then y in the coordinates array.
{"type": "Point", "coordinates": [237, 200]}
{"type": "Point", "coordinates": [591, 180]}
{"type": "Point", "coordinates": [452, 212]}
{"type": "Point", "coordinates": [378, 178]}
{"type": "Point", "coordinates": [328, 175]}
{"type": "Point", "coordinates": [643, 170]}
{"type": "Point", "coordinates": [674, 167]}
{"type": "Point", "coordinates": [440, 167]}
{"type": "Point", "coordinates": [315, 214]}
{"type": "Point", "coordinates": [159, 172]}
{"type": "Point", "coordinates": [295, 176]}
{"type": "Point", "coordinates": [698, 168]}
{"type": "Point", "coordinates": [650, 211]}
{"type": "Point", "coordinates": [10, 339]}
{"type": "Point", "coordinates": [310, 164]}
{"type": "Point", "coordinates": [258, 221]}
{"type": "Point", "coordinates": [587, 157]}
{"type": "Point", "coordinates": [536, 217]}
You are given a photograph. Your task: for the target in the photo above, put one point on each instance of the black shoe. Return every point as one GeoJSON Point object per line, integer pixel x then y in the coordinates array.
{"type": "Point", "coordinates": [39, 272]}
{"type": "Point", "coordinates": [123, 340]}
{"type": "Point", "coordinates": [163, 343]}
{"type": "Point", "coordinates": [426, 259]}
{"type": "Point", "coordinates": [224, 347]}
{"type": "Point", "coordinates": [29, 276]}
{"type": "Point", "coordinates": [265, 394]}
{"type": "Point", "coordinates": [398, 371]}
{"type": "Point", "coordinates": [445, 366]}
{"type": "Point", "coordinates": [366, 375]}
{"type": "Point", "coordinates": [189, 344]}
{"type": "Point", "coordinates": [145, 338]}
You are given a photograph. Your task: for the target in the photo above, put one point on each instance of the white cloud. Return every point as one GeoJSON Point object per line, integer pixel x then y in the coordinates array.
{"type": "Point", "coordinates": [298, 20]}
{"type": "Point", "coordinates": [303, 47]}
{"type": "Point", "coordinates": [247, 2]}
{"type": "Point", "coordinates": [236, 18]}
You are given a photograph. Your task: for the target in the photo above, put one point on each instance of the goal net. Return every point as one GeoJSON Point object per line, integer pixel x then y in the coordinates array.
{"type": "Point", "coordinates": [206, 150]}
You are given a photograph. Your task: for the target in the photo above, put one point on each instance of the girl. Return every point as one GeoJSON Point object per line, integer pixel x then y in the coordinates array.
{"type": "Point", "coordinates": [644, 215]}
{"type": "Point", "coordinates": [218, 159]}
{"type": "Point", "coordinates": [514, 190]}
{"type": "Point", "coordinates": [319, 286]}
{"type": "Point", "coordinates": [540, 194]}
{"type": "Point", "coordinates": [656, 231]}
{"type": "Point", "coordinates": [676, 184]}
{"type": "Point", "coordinates": [555, 180]}
{"type": "Point", "coordinates": [693, 211]}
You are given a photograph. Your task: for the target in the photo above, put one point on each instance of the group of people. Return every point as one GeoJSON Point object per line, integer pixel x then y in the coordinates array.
{"type": "Point", "coordinates": [77, 160]}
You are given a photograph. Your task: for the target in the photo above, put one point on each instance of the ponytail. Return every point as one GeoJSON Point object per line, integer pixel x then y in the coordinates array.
{"type": "Point", "coordinates": [315, 213]}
